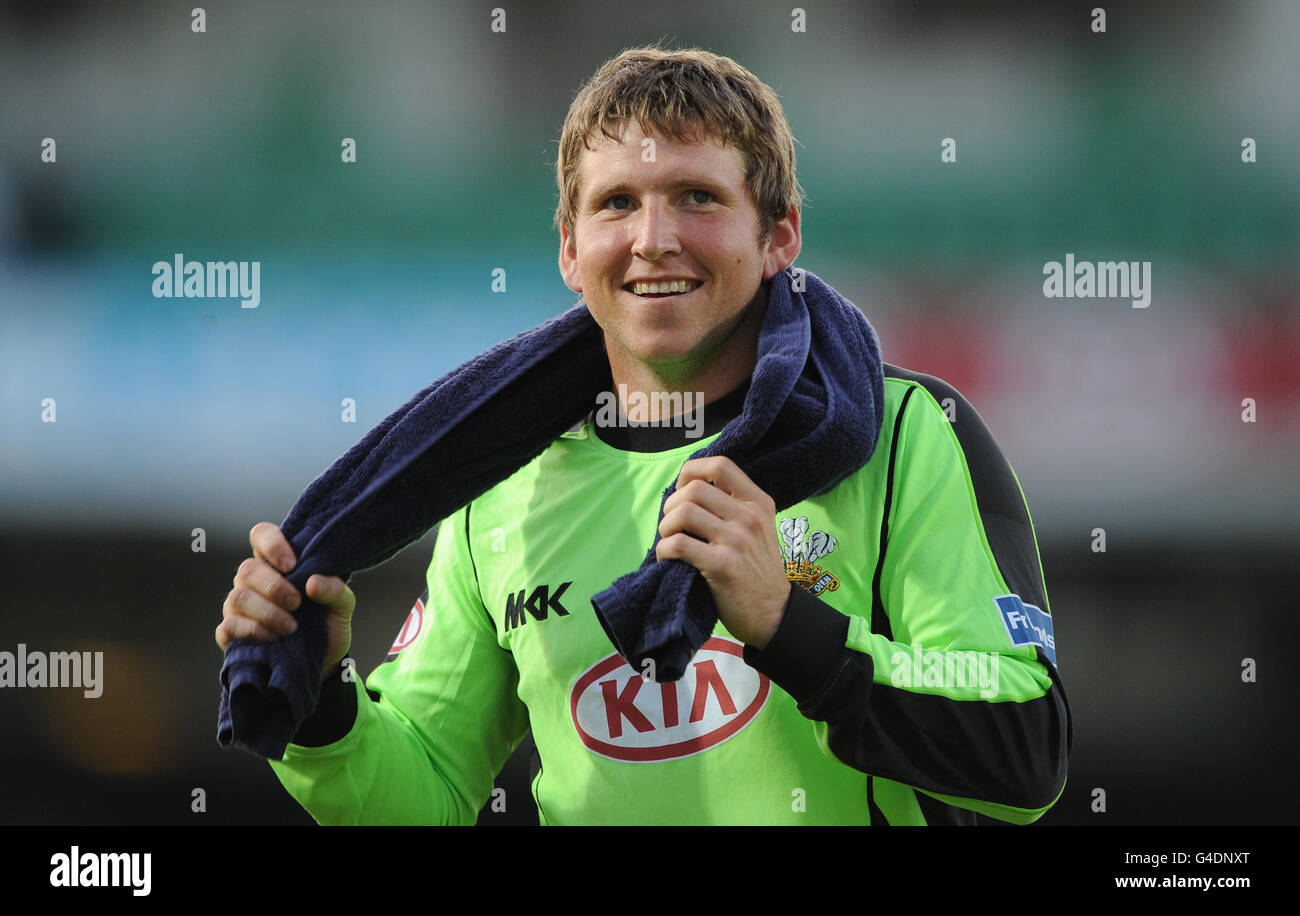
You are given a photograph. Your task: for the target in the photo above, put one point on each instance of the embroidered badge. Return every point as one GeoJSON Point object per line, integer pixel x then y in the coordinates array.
{"type": "Point", "coordinates": [802, 550]}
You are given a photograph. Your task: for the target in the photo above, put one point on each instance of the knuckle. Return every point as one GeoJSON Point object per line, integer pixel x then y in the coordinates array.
{"type": "Point", "coordinates": [242, 603]}
{"type": "Point", "coordinates": [282, 592]}
{"type": "Point", "coordinates": [698, 515]}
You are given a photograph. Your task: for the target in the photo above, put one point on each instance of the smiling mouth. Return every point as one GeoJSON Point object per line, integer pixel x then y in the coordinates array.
{"type": "Point", "coordinates": [663, 290]}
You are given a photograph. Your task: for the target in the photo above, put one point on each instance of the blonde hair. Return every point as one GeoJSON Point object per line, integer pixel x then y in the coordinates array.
{"type": "Point", "coordinates": [688, 95]}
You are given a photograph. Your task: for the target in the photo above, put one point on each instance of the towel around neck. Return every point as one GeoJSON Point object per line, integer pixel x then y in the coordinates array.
{"type": "Point", "coordinates": [811, 418]}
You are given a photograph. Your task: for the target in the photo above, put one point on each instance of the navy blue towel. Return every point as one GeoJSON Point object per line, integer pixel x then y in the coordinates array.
{"type": "Point", "coordinates": [811, 417]}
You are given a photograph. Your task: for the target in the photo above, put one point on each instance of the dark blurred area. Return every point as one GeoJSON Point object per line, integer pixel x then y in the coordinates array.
{"type": "Point", "coordinates": [1151, 641]}
{"type": "Point", "coordinates": [130, 423]}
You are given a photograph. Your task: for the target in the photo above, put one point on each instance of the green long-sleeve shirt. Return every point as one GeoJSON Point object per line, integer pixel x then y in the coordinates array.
{"type": "Point", "coordinates": [912, 679]}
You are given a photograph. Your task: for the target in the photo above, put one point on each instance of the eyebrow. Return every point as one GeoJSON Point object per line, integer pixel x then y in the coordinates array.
{"type": "Point", "coordinates": [686, 181]}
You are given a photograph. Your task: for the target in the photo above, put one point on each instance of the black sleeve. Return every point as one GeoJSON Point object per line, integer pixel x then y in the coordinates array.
{"type": "Point", "coordinates": [335, 714]}
{"type": "Point", "coordinates": [1004, 758]}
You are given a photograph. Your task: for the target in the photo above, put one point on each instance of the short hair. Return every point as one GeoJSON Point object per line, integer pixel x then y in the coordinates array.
{"type": "Point", "coordinates": [688, 95]}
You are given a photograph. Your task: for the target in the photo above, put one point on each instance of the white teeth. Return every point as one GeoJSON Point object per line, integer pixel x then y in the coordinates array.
{"type": "Point", "coordinates": [673, 286]}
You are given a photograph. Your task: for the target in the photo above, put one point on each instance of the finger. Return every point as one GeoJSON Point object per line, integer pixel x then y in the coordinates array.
{"type": "Point", "coordinates": [242, 628]}
{"type": "Point", "coordinates": [702, 493]}
{"type": "Point", "coordinates": [727, 476]}
{"type": "Point", "coordinates": [692, 518]}
{"type": "Point", "coordinates": [683, 547]}
{"type": "Point", "coordinates": [262, 578]}
{"type": "Point", "coordinates": [330, 591]}
{"type": "Point", "coordinates": [244, 602]}
{"type": "Point", "coordinates": [720, 471]}
{"type": "Point", "coordinates": [268, 541]}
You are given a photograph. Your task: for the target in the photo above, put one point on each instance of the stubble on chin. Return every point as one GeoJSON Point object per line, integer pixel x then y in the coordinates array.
{"type": "Point", "coordinates": [740, 333]}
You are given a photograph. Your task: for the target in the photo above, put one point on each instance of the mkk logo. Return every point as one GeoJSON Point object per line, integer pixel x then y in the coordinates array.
{"type": "Point", "coordinates": [1027, 625]}
{"type": "Point", "coordinates": [622, 715]}
{"type": "Point", "coordinates": [538, 604]}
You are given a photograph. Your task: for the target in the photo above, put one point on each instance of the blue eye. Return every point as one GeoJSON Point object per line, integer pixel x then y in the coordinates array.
{"type": "Point", "coordinates": [707, 194]}
{"type": "Point", "coordinates": [614, 198]}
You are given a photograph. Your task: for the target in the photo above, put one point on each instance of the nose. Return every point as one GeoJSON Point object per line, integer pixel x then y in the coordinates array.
{"type": "Point", "coordinates": [656, 231]}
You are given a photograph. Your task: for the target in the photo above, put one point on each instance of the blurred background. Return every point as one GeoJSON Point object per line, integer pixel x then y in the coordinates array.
{"type": "Point", "coordinates": [176, 414]}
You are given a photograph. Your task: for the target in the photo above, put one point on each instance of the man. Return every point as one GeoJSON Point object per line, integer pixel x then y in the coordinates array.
{"type": "Point", "coordinates": [909, 678]}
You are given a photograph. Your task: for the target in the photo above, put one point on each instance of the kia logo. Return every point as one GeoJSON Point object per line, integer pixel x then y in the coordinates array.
{"type": "Point", "coordinates": [621, 715]}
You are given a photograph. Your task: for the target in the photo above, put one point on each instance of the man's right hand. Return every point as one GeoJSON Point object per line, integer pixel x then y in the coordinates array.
{"type": "Point", "coordinates": [262, 603]}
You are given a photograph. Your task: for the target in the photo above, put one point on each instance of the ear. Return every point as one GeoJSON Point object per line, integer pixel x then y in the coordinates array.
{"type": "Point", "coordinates": [569, 261]}
{"type": "Point", "coordinates": [784, 245]}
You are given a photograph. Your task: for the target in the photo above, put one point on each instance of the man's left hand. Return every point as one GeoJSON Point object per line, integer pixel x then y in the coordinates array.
{"type": "Point", "coordinates": [739, 555]}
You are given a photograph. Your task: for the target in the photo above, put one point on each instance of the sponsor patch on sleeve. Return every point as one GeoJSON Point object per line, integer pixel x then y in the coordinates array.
{"type": "Point", "coordinates": [1027, 625]}
{"type": "Point", "coordinates": [411, 628]}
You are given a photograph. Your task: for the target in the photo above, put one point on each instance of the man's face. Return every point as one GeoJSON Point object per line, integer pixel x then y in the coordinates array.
{"type": "Point", "coordinates": [685, 215]}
